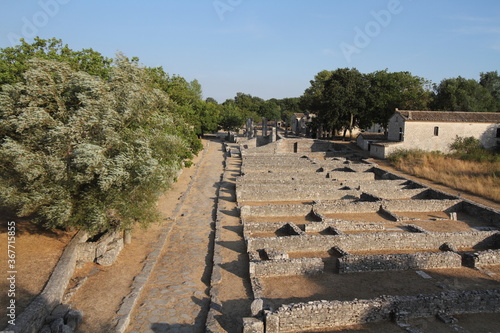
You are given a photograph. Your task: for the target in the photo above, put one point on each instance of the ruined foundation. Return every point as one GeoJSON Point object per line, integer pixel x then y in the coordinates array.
{"type": "Point", "coordinates": [318, 218]}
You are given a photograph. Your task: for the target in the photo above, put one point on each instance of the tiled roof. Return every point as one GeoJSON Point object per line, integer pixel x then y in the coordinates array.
{"type": "Point", "coordinates": [451, 116]}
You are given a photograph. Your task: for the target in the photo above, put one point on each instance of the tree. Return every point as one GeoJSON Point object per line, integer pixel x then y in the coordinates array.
{"type": "Point", "coordinates": [79, 151]}
{"type": "Point", "coordinates": [270, 110]}
{"type": "Point", "coordinates": [232, 119]}
{"type": "Point", "coordinates": [460, 94]}
{"type": "Point", "coordinates": [313, 98]}
{"type": "Point", "coordinates": [14, 60]}
{"type": "Point", "coordinates": [345, 94]}
{"type": "Point", "coordinates": [491, 81]}
{"type": "Point", "coordinates": [208, 116]}
{"type": "Point", "coordinates": [388, 91]}
{"type": "Point", "coordinates": [288, 106]}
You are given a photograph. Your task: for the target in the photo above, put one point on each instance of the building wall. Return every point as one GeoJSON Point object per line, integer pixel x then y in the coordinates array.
{"type": "Point", "coordinates": [396, 124]}
{"type": "Point", "coordinates": [382, 151]}
{"type": "Point", "coordinates": [422, 134]}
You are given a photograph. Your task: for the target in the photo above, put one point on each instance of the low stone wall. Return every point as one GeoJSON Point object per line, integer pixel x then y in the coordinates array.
{"type": "Point", "coordinates": [488, 214]}
{"type": "Point", "coordinates": [285, 267]}
{"type": "Point", "coordinates": [343, 226]}
{"type": "Point", "coordinates": [423, 205]}
{"type": "Point", "coordinates": [482, 258]}
{"type": "Point", "coordinates": [103, 251]}
{"type": "Point", "coordinates": [294, 193]}
{"type": "Point", "coordinates": [398, 262]}
{"type": "Point", "coordinates": [379, 241]}
{"type": "Point", "coordinates": [324, 314]}
{"type": "Point", "coordinates": [275, 210]}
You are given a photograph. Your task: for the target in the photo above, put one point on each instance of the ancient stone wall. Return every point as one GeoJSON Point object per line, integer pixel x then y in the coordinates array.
{"type": "Point", "coordinates": [482, 258]}
{"type": "Point", "coordinates": [283, 267]}
{"type": "Point", "coordinates": [324, 314]}
{"type": "Point", "coordinates": [398, 262]}
{"type": "Point", "coordinates": [379, 241]}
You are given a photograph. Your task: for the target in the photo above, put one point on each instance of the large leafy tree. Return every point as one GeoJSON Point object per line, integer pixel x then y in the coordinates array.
{"type": "Point", "coordinates": [388, 91]}
{"type": "Point", "coordinates": [232, 118]}
{"type": "Point", "coordinates": [460, 94]}
{"type": "Point", "coordinates": [80, 151]}
{"type": "Point", "coordinates": [345, 94]}
{"type": "Point", "coordinates": [313, 98]}
{"type": "Point", "coordinates": [14, 61]}
{"type": "Point", "coordinates": [491, 81]}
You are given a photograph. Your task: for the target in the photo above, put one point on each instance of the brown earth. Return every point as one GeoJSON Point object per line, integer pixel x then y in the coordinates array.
{"type": "Point", "coordinates": [37, 251]}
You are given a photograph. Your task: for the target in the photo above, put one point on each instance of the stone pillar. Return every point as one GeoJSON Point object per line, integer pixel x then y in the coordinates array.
{"type": "Point", "coordinates": [249, 128]}
{"type": "Point", "coordinates": [264, 126]}
{"type": "Point", "coordinates": [127, 236]}
{"type": "Point", "coordinates": [273, 134]}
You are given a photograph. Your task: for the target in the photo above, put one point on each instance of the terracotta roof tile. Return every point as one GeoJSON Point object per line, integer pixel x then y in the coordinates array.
{"type": "Point", "coordinates": [451, 116]}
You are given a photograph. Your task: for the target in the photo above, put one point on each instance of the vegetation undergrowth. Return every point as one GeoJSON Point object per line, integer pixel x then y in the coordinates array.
{"type": "Point", "coordinates": [469, 167]}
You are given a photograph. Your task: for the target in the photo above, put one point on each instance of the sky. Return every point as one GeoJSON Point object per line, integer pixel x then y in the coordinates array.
{"type": "Point", "coordinates": [271, 48]}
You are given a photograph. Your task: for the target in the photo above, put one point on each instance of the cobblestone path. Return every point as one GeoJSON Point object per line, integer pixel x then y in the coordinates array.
{"type": "Point", "coordinates": [175, 298]}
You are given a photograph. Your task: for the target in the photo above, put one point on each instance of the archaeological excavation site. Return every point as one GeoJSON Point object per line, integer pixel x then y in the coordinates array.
{"type": "Point", "coordinates": [336, 243]}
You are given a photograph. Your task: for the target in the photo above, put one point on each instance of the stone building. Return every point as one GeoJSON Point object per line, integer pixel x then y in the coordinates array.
{"type": "Point", "coordinates": [299, 123]}
{"type": "Point", "coordinates": [436, 130]}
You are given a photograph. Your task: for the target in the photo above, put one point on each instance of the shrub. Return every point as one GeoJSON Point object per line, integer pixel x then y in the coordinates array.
{"type": "Point", "coordinates": [80, 151]}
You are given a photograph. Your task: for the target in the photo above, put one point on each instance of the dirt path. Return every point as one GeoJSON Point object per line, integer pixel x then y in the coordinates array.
{"type": "Point", "coordinates": [176, 296]}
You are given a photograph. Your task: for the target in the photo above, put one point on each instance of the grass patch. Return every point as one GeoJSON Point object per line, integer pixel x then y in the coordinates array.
{"type": "Point", "coordinates": [477, 172]}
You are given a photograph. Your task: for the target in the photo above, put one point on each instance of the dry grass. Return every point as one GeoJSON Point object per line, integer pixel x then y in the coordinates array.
{"type": "Point", "coordinates": [480, 178]}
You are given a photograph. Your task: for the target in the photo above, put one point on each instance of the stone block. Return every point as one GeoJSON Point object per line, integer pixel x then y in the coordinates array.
{"type": "Point", "coordinates": [86, 252]}
{"type": "Point", "coordinates": [73, 318]}
{"type": "Point", "coordinates": [253, 325]}
{"type": "Point", "coordinates": [57, 325]}
{"type": "Point", "coordinates": [256, 307]}
{"type": "Point", "coordinates": [272, 323]}
{"type": "Point", "coordinates": [108, 258]}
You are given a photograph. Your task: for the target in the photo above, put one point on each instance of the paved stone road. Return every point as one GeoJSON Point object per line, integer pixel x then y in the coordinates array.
{"type": "Point", "coordinates": [175, 298]}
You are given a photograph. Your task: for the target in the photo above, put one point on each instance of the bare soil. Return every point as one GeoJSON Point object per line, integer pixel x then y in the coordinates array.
{"type": "Point", "coordinates": [330, 286]}
{"type": "Point", "coordinates": [37, 251]}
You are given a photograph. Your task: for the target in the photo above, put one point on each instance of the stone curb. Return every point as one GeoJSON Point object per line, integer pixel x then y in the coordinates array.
{"type": "Point", "coordinates": [212, 325]}
{"type": "Point", "coordinates": [130, 301]}
{"type": "Point", "coordinates": [33, 317]}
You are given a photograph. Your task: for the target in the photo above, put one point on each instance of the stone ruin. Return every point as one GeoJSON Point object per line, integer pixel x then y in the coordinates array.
{"type": "Point", "coordinates": [314, 212]}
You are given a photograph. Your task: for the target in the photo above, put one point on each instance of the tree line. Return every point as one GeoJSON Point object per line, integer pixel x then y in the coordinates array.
{"type": "Point", "coordinates": [346, 98]}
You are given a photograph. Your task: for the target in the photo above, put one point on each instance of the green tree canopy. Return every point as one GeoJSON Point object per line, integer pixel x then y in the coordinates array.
{"type": "Point", "coordinates": [232, 117]}
{"type": "Point", "coordinates": [14, 60]}
{"type": "Point", "coordinates": [491, 81]}
{"type": "Point", "coordinates": [460, 94]}
{"type": "Point", "coordinates": [389, 91]}
{"type": "Point", "coordinates": [345, 94]}
{"type": "Point", "coordinates": [80, 151]}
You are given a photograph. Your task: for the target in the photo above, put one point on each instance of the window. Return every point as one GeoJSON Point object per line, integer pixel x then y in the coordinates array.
{"type": "Point", "coordinates": [436, 131]}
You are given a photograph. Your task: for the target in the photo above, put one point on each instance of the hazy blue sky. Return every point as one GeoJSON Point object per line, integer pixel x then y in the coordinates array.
{"type": "Point", "coordinates": [271, 48]}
